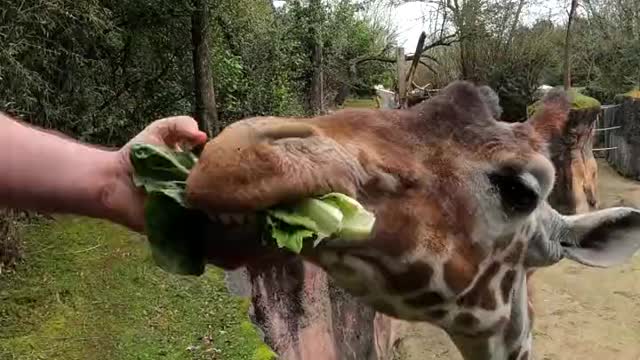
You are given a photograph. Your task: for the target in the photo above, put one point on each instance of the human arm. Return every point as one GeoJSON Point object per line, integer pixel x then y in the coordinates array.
{"type": "Point", "coordinates": [48, 172]}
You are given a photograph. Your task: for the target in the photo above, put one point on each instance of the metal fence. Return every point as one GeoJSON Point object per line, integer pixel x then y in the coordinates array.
{"type": "Point", "coordinates": [606, 131]}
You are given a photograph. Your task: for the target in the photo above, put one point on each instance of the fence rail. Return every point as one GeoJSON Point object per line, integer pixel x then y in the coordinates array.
{"type": "Point", "coordinates": [605, 135]}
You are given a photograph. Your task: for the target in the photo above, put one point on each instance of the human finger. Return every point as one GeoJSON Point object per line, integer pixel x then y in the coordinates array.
{"type": "Point", "coordinates": [181, 129]}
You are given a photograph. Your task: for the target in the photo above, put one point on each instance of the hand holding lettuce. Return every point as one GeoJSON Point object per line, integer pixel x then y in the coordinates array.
{"type": "Point", "coordinates": [176, 232]}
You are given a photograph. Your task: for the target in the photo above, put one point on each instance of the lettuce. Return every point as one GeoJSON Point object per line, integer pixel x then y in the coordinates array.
{"type": "Point", "coordinates": [175, 231]}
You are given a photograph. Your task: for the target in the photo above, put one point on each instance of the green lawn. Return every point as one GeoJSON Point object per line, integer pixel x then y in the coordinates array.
{"type": "Point", "coordinates": [89, 290]}
{"type": "Point", "coordinates": [360, 103]}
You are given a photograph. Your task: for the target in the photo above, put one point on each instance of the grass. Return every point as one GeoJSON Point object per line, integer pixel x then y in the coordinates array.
{"type": "Point", "coordinates": [89, 290]}
{"type": "Point", "coordinates": [361, 103]}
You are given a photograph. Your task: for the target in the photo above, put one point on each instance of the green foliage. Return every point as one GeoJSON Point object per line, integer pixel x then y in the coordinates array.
{"type": "Point", "coordinates": [94, 69]}
{"type": "Point", "coordinates": [101, 70]}
{"type": "Point", "coordinates": [89, 290]}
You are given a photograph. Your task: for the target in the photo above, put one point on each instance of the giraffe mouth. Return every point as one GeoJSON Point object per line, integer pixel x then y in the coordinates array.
{"type": "Point", "coordinates": [231, 219]}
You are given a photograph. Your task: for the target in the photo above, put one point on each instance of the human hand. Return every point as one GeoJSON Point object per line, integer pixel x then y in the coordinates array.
{"type": "Point", "coordinates": [123, 196]}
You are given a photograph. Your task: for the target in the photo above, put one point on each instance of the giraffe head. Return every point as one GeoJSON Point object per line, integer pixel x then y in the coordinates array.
{"type": "Point", "coordinates": [459, 199]}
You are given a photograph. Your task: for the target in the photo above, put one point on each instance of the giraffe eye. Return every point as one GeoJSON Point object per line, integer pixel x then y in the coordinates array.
{"type": "Point", "coordinates": [517, 196]}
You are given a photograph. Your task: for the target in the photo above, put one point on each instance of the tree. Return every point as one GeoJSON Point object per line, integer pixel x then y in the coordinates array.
{"type": "Point", "coordinates": [316, 96]}
{"type": "Point", "coordinates": [567, 46]}
{"type": "Point", "coordinates": [205, 102]}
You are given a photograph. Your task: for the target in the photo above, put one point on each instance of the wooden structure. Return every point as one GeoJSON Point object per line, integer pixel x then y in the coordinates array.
{"type": "Point", "coordinates": [575, 190]}
{"type": "Point", "coordinates": [605, 132]}
{"type": "Point", "coordinates": [301, 314]}
{"type": "Point", "coordinates": [623, 142]}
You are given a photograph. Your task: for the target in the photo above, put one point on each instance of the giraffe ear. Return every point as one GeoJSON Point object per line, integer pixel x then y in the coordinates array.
{"type": "Point", "coordinates": [602, 238]}
{"type": "Point", "coordinates": [552, 113]}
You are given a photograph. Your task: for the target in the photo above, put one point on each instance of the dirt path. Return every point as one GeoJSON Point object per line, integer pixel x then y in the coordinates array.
{"type": "Point", "coordinates": [581, 313]}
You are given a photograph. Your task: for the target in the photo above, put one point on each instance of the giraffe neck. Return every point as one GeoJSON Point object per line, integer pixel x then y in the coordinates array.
{"type": "Point", "coordinates": [514, 342]}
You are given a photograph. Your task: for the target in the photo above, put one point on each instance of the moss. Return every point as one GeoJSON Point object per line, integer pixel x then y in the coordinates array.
{"type": "Point", "coordinates": [89, 290]}
{"type": "Point", "coordinates": [264, 353]}
{"type": "Point", "coordinates": [635, 94]}
{"type": "Point", "coordinates": [578, 101]}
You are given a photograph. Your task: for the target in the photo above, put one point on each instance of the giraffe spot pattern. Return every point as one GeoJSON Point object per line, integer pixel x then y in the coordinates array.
{"type": "Point", "coordinates": [514, 354]}
{"type": "Point", "coordinates": [418, 275]}
{"type": "Point", "coordinates": [481, 294]}
{"type": "Point", "coordinates": [514, 254]}
{"type": "Point", "coordinates": [462, 267]}
{"type": "Point", "coordinates": [494, 328]}
{"type": "Point", "coordinates": [425, 299]}
{"type": "Point", "coordinates": [384, 307]}
{"type": "Point", "coordinates": [342, 269]}
{"type": "Point", "coordinates": [437, 314]}
{"type": "Point", "coordinates": [466, 320]}
{"type": "Point", "coordinates": [506, 284]}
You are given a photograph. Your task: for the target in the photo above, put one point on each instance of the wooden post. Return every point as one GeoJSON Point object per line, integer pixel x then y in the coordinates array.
{"type": "Point", "coordinates": [575, 189]}
{"type": "Point", "coordinates": [626, 158]}
{"type": "Point", "coordinates": [402, 80]}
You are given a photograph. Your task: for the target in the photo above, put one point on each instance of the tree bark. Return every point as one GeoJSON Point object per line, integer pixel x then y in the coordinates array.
{"type": "Point", "coordinates": [316, 92]}
{"type": "Point", "coordinates": [401, 74]}
{"type": "Point", "coordinates": [575, 189]}
{"type": "Point", "coordinates": [516, 20]}
{"type": "Point", "coordinates": [205, 111]}
{"type": "Point", "coordinates": [10, 244]}
{"type": "Point", "coordinates": [567, 46]}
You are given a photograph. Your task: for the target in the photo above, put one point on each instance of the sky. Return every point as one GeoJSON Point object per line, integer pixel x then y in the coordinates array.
{"type": "Point", "coordinates": [409, 18]}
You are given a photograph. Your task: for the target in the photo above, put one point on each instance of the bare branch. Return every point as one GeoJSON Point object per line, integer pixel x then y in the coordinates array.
{"type": "Point", "coordinates": [416, 59]}
{"type": "Point", "coordinates": [428, 67]}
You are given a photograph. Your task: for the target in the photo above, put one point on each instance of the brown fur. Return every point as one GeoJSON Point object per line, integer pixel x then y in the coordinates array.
{"type": "Point", "coordinates": [423, 172]}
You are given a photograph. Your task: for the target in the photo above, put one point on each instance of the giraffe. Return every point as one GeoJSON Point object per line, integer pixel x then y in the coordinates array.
{"type": "Point", "coordinates": [462, 220]}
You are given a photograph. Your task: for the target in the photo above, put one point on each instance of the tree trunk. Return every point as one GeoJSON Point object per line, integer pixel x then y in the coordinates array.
{"type": "Point", "coordinates": [345, 89]}
{"type": "Point", "coordinates": [516, 20]}
{"type": "Point", "coordinates": [10, 245]}
{"type": "Point", "coordinates": [303, 315]}
{"type": "Point", "coordinates": [205, 113]}
{"type": "Point", "coordinates": [316, 95]}
{"type": "Point", "coordinates": [402, 79]}
{"type": "Point", "coordinates": [567, 46]}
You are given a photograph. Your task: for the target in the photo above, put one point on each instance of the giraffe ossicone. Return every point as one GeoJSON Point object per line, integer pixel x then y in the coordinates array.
{"type": "Point", "coordinates": [459, 198]}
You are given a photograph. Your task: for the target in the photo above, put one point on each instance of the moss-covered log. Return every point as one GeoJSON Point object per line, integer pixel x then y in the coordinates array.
{"type": "Point", "coordinates": [304, 316]}
{"type": "Point", "coordinates": [626, 158]}
{"type": "Point", "coordinates": [575, 190]}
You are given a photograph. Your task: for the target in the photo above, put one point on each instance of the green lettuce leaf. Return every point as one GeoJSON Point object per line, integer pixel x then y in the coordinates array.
{"type": "Point", "coordinates": [176, 232]}
{"type": "Point", "coordinates": [287, 236]}
{"type": "Point", "coordinates": [161, 163]}
{"type": "Point", "coordinates": [176, 235]}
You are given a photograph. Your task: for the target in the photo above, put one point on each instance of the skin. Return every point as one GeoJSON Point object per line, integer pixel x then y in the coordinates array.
{"type": "Point", "coordinates": [48, 172]}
